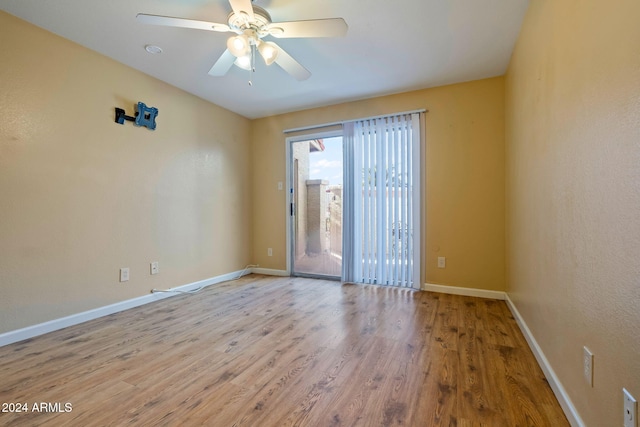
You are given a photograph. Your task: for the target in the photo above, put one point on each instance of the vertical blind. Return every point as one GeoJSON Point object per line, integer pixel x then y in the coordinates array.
{"type": "Point", "coordinates": [381, 220]}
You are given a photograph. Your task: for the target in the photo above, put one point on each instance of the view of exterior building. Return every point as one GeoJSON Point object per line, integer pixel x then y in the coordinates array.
{"type": "Point", "coordinates": [318, 216]}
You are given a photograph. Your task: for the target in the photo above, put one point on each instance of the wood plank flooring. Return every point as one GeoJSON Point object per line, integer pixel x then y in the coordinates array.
{"type": "Point", "coordinates": [265, 351]}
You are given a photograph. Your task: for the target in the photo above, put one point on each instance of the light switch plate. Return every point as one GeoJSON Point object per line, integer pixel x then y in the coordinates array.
{"type": "Point", "coordinates": [630, 409]}
{"type": "Point", "coordinates": [124, 274]}
{"type": "Point", "coordinates": [588, 365]}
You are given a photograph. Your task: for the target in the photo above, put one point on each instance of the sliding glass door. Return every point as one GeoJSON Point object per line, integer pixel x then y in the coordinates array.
{"type": "Point", "coordinates": [354, 202]}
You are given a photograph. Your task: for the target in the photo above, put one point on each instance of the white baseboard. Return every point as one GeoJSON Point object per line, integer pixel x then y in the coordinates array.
{"type": "Point", "coordinates": [563, 398]}
{"type": "Point", "coordinates": [469, 292]}
{"type": "Point", "coordinates": [270, 272]}
{"type": "Point", "coordinates": [74, 319]}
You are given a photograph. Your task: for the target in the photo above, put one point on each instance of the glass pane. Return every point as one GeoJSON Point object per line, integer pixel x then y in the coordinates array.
{"type": "Point", "coordinates": [317, 194]}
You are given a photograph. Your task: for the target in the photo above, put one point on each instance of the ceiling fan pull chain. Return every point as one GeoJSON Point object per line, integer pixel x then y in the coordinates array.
{"type": "Point", "coordinates": [253, 58]}
{"type": "Point", "coordinates": [252, 68]}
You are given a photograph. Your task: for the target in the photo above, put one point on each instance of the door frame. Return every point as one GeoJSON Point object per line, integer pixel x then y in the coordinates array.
{"type": "Point", "coordinates": [290, 235]}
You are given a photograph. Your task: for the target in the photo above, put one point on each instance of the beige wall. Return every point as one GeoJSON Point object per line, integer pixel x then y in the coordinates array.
{"type": "Point", "coordinates": [573, 174]}
{"type": "Point", "coordinates": [464, 178]}
{"type": "Point", "coordinates": [81, 196]}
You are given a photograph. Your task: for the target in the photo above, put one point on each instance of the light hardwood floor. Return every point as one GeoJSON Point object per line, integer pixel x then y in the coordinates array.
{"type": "Point", "coordinates": [264, 351]}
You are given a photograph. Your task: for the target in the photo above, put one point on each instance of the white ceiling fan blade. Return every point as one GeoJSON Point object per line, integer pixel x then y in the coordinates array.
{"type": "Point", "coordinates": [169, 21]}
{"type": "Point", "coordinates": [334, 27]}
{"type": "Point", "coordinates": [240, 6]}
{"type": "Point", "coordinates": [223, 64]}
{"type": "Point", "coordinates": [290, 65]}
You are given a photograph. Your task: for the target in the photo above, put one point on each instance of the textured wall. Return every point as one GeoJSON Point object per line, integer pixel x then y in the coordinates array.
{"type": "Point", "coordinates": [464, 186]}
{"type": "Point", "coordinates": [573, 193]}
{"type": "Point", "coordinates": [81, 196]}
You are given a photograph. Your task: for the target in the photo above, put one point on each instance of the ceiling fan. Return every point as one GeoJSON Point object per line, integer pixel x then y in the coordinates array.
{"type": "Point", "coordinates": [252, 24]}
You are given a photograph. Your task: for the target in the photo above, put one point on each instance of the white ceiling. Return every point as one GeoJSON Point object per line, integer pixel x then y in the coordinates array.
{"type": "Point", "coordinates": [391, 46]}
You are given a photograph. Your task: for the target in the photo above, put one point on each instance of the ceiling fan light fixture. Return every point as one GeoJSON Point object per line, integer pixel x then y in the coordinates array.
{"type": "Point", "coordinates": [269, 52]}
{"type": "Point", "coordinates": [239, 45]}
{"type": "Point", "coordinates": [243, 62]}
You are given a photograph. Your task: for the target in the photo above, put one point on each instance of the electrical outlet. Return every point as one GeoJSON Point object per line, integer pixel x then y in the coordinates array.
{"type": "Point", "coordinates": [154, 267]}
{"type": "Point", "coordinates": [442, 262]}
{"type": "Point", "coordinates": [587, 356]}
{"type": "Point", "coordinates": [269, 252]}
{"type": "Point", "coordinates": [124, 274]}
{"type": "Point", "coordinates": [630, 409]}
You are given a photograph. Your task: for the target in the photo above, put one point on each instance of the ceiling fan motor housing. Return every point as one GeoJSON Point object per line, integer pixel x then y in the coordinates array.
{"type": "Point", "coordinates": [241, 22]}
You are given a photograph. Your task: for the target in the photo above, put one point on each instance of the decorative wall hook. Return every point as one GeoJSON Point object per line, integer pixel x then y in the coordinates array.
{"type": "Point", "coordinates": [145, 116]}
